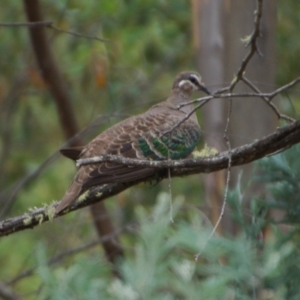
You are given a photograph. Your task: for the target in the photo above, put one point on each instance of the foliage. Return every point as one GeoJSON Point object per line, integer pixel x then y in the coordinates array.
{"type": "Point", "coordinates": [281, 173]}
{"type": "Point", "coordinates": [287, 50]}
{"type": "Point", "coordinates": [288, 46]}
{"type": "Point", "coordinates": [161, 263]}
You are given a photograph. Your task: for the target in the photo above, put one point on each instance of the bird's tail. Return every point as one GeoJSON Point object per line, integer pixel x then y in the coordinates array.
{"type": "Point", "coordinates": [71, 195]}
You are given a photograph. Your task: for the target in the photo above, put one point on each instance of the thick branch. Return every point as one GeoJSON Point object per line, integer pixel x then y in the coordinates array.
{"type": "Point", "coordinates": [259, 149]}
{"type": "Point", "coordinates": [282, 138]}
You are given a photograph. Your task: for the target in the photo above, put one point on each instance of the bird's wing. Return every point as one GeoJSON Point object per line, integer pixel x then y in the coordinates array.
{"type": "Point", "coordinates": [142, 138]}
{"type": "Point", "coordinates": [154, 135]}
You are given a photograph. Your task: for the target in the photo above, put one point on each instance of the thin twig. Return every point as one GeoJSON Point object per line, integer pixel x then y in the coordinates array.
{"type": "Point", "coordinates": [27, 24]}
{"type": "Point", "coordinates": [202, 102]}
{"type": "Point", "coordinates": [228, 175]}
{"type": "Point", "coordinates": [29, 178]}
{"type": "Point", "coordinates": [267, 101]}
{"type": "Point", "coordinates": [269, 96]}
{"type": "Point", "coordinates": [170, 195]}
{"type": "Point", "coordinates": [58, 258]}
{"type": "Point", "coordinates": [253, 46]}
{"type": "Point", "coordinates": [79, 34]}
{"type": "Point", "coordinates": [49, 24]}
{"type": "Point", "coordinates": [25, 181]}
{"type": "Point", "coordinates": [285, 87]}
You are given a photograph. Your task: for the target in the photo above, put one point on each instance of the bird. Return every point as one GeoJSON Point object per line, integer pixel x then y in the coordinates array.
{"type": "Point", "coordinates": [165, 131]}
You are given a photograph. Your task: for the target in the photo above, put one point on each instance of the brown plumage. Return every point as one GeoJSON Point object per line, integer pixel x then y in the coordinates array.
{"type": "Point", "coordinates": [144, 136]}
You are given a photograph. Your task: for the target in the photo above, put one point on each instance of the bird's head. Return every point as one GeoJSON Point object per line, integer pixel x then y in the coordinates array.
{"type": "Point", "coordinates": [189, 82]}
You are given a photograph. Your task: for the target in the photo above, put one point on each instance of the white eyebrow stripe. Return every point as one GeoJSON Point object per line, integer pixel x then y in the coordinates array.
{"type": "Point", "coordinates": [183, 82]}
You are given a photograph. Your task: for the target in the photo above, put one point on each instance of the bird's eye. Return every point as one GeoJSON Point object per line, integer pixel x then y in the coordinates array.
{"type": "Point", "coordinates": [193, 79]}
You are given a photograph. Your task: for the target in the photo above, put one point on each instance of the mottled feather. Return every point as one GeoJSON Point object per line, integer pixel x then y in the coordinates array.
{"type": "Point", "coordinates": [153, 135]}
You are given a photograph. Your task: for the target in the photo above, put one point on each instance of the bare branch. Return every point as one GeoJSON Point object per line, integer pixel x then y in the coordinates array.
{"type": "Point", "coordinates": [284, 87]}
{"type": "Point", "coordinates": [63, 255]}
{"type": "Point", "coordinates": [250, 40]}
{"type": "Point", "coordinates": [252, 43]}
{"type": "Point", "coordinates": [49, 24]}
{"type": "Point", "coordinates": [78, 34]}
{"type": "Point", "coordinates": [228, 176]}
{"type": "Point", "coordinates": [267, 97]}
{"type": "Point", "coordinates": [267, 101]}
{"type": "Point", "coordinates": [283, 137]}
{"type": "Point", "coordinates": [202, 102]}
{"type": "Point", "coordinates": [27, 24]}
{"type": "Point", "coordinates": [270, 95]}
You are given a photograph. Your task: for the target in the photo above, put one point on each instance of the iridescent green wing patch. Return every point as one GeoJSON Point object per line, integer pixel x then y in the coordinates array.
{"type": "Point", "coordinates": [174, 145]}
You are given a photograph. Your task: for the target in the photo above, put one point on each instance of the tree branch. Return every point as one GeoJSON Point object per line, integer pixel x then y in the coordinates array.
{"type": "Point", "coordinates": [27, 24]}
{"type": "Point", "coordinates": [49, 24]}
{"type": "Point", "coordinates": [282, 138]}
{"type": "Point", "coordinates": [267, 97]}
{"type": "Point", "coordinates": [78, 34]}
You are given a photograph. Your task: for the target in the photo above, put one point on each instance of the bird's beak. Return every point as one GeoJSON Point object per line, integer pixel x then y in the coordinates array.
{"type": "Point", "coordinates": [203, 88]}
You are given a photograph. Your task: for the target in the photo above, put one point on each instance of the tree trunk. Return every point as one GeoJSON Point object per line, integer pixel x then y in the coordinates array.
{"type": "Point", "coordinates": [56, 83]}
